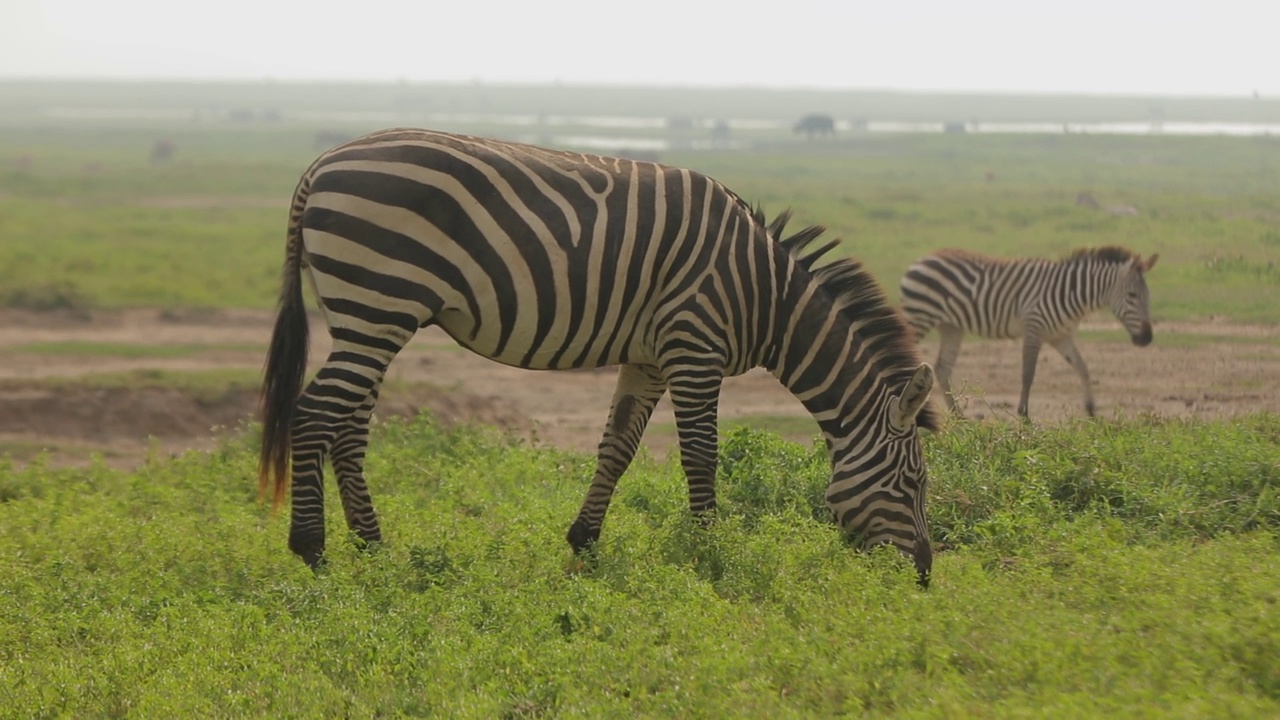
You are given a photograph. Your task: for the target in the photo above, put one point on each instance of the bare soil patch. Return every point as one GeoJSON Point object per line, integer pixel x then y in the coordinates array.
{"type": "Point", "coordinates": [1206, 369]}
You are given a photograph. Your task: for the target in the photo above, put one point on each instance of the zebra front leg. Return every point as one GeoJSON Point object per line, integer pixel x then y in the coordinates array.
{"type": "Point", "coordinates": [1030, 356]}
{"type": "Point", "coordinates": [949, 349]}
{"type": "Point", "coordinates": [696, 398]}
{"type": "Point", "coordinates": [638, 391]}
{"type": "Point", "coordinates": [1067, 346]}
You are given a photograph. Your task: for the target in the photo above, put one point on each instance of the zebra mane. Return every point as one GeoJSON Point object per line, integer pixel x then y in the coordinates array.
{"type": "Point", "coordinates": [859, 297]}
{"type": "Point", "coordinates": [1109, 254]}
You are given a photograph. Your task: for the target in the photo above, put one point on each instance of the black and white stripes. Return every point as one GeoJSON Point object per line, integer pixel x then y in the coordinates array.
{"type": "Point", "coordinates": [1036, 299]}
{"type": "Point", "coordinates": [547, 260]}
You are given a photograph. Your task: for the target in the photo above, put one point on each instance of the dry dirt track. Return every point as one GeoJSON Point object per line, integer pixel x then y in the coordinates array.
{"type": "Point", "coordinates": [1201, 370]}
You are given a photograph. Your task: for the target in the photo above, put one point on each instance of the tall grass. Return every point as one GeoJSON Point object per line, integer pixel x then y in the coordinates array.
{"type": "Point", "coordinates": [1123, 569]}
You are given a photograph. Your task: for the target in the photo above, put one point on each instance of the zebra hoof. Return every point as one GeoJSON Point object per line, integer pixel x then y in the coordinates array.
{"type": "Point", "coordinates": [705, 516]}
{"type": "Point", "coordinates": [309, 549]}
{"type": "Point", "coordinates": [368, 547]}
{"type": "Point", "coordinates": [581, 537]}
{"type": "Point", "coordinates": [922, 579]}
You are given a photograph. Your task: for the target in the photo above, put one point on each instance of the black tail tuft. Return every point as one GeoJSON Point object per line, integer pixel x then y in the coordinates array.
{"type": "Point", "coordinates": [282, 377]}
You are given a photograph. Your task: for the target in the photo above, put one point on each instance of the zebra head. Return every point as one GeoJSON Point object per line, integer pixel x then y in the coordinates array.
{"type": "Point", "coordinates": [1129, 299]}
{"type": "Point", "coordinates": [877, 491]}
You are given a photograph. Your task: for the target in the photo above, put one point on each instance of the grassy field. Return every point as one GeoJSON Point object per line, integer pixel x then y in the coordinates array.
{"type": "Point", "coordinates": [1101, 569]}
{"type": "Point", "coordinates": [1124, 568]}
{"type": "Point", "coordinates": [90, 223]}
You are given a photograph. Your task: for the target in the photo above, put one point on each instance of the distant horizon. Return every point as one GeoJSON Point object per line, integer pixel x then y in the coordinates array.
{"type": "Point", "coordinates": [480, 82]}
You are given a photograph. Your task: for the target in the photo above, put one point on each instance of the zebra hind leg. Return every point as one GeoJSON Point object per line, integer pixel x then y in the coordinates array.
{"type": "Point", "coordinates": [348, 465]}
{"type": "Point", "coordinates": [638, 391]}
{"type": "Point", "coordinates": [313, 434]}
{"type": "Point", "coordinates": [332, 422]}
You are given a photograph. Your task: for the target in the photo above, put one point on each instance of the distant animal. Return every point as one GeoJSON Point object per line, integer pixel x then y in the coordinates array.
{"type": "Point", "coordinates": [721, 133]}
{"type": "Point", "coordinates": [1086, 199]}
{"type": "Point", "coordinates": [162, 151]}
{"type": "Point", "coordinates": [816, 124]}
{"type": "Point", "coordinates": [1036, 299]}
{"type": "Point", "coordinates": [551, 260]}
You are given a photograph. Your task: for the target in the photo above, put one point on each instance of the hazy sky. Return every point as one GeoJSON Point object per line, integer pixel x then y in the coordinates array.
{"type": "Point", "coordinates": [1218, 47]}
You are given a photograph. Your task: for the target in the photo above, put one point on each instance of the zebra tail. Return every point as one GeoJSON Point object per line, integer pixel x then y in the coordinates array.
{"type": "Point", "coordinates": [285, 368]}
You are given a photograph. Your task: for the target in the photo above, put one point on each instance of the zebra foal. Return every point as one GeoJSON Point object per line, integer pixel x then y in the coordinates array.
{"type": "Point", "coordinates": [549, 260]}
{"type": "Point", "coordinates": [1039, 300]}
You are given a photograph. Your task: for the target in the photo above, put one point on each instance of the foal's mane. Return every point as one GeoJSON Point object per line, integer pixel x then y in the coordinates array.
{"type": "Point", "coordinates": [1113, 254]}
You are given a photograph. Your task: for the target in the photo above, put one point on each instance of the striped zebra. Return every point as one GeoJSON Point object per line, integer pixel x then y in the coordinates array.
{"type": "Point", "coordinates": [1037, 299]}
{"type": "Point", "coordinates": [550, 260]}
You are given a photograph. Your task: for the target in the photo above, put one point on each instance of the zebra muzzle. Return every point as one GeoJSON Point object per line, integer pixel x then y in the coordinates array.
{"type": "Point", "coordinates": [923, 557]}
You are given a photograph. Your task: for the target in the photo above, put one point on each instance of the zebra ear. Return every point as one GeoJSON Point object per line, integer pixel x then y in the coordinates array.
{"type": "Point", "coordinates": [1150, 263]}
{"type": "Point", "coordinates": [903, 411]}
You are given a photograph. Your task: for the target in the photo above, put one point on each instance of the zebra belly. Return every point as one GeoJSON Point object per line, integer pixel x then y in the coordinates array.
{"type": "Point", "coordinates": [974, 322]}
{"type": "Point", "coordinates": [1005, 331]}
{"type": "Point", "coordinates": [486, 340]}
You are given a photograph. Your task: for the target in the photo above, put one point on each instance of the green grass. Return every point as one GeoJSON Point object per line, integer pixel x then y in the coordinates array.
{"type": "Point", "coordinates": [109, 256]}
{"type": "Point", "coordinates": [788, 426]}
{"type": "Point", "coordinates": [203, 233]}
{"type": "Point", "coordinates": [24, 451]}
{"type": "Point", "coordinates": [1117, 569]}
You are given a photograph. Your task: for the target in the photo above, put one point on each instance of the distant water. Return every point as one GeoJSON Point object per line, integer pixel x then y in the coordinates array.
{"type": "Point", "coordinates": [543, 128]}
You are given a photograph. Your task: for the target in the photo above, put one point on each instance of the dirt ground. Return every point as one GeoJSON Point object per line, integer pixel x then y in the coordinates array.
{"type": "Point", "coordinates": [1192, 370]}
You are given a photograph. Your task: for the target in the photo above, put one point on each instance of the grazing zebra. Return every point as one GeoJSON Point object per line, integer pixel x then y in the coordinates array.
{"type": "Point", "coordinates": [1036, 299]}
{"type": "Point", "coordinates": [549, 260]}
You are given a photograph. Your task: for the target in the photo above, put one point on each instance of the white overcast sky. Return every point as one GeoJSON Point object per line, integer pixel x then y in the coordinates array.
{"type": "Point", "coordinates": [1214, 47]}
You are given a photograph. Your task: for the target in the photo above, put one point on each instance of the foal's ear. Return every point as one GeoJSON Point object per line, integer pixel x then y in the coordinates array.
{"type": "Point", "coordinates": [1150, 262]}
{"type": "Point", "coordinates": [905, 408]}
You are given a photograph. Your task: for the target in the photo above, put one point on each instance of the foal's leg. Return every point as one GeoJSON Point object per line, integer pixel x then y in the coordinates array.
{"type": "Point", "coordinates": [1067, 346]}
{"type": "Point", "coordinates": [1030, 356]}
{"type": "Point", "coordinates": [949, 349]}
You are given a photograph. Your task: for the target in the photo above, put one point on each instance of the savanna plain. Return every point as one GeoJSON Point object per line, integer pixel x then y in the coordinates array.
{"type": "Point", "coordinates": [1125, 566]}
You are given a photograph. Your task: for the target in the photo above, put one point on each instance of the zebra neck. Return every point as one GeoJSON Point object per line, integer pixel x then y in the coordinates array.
{"type": "Point", "coordinates": [826, 363]}
{"type": "Point", "coordinates": [1087, 286]}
